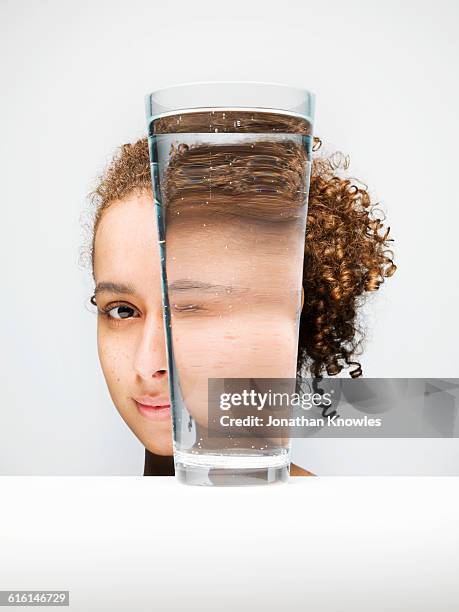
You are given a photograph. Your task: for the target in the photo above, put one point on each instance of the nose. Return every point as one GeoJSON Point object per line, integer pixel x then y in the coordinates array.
{"type": "Point", "coordinates": [150, 360]}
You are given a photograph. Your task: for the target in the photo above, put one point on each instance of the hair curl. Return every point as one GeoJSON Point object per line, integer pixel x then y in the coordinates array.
{"type": "Point", "coordinates": [345, 254]}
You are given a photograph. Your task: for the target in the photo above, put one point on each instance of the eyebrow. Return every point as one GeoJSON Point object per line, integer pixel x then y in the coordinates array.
{"type": "Point", "coordinates": [112, 287]}
{"type": "Point", "coordinates": [187, 285]}
{"type": "Point", "coordinates": [178, 285]}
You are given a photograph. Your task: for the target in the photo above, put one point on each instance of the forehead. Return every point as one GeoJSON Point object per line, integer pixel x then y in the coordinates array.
{"type": "Point", "coordinates": [127, 250]}
{"type": "Point", "coordinates": [125, 240]}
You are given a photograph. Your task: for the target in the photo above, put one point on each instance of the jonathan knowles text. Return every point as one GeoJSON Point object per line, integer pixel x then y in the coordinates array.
{"type": "Point", "coordinates": [299, 421]}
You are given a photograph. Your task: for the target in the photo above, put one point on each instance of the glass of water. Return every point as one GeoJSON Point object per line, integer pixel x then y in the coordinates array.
{"type": "Point", "coordinates": [230, 167]}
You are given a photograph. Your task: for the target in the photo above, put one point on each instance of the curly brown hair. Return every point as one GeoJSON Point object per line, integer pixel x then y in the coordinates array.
{"type": "Point", "coordinates": [345, 254]}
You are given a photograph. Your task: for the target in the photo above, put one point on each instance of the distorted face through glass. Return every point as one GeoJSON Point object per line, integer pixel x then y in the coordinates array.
{"type": "Point", "coordinates": [234, 298]}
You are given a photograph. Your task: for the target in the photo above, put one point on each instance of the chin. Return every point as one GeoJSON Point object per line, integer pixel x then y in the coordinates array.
{"type": "Point", "coordinates": [165, 450]}
{"type": "Point", "coordinates": [159, 443]}
{"type": "Point", "coordinates": [157, 438]}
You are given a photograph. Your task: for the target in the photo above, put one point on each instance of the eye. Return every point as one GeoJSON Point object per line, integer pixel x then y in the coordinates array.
{"type": "Point", "coordinates": [121, 311]}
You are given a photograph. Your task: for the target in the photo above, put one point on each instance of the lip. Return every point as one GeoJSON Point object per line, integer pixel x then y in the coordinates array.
{"type": "Point", "coordinates": [152, 408]}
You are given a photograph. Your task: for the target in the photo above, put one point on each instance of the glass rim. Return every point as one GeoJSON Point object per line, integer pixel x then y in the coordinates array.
{"type": "Point", "coordinates": [237, 82]}
{"type": "Point", "coordinates": [302, 102]}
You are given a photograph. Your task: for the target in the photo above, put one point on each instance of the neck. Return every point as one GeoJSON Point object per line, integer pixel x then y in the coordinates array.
{"type": "Point", "coordinates": [158, 465]}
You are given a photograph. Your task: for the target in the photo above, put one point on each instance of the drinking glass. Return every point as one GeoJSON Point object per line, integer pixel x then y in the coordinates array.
{"type": "Point", "coordinates": [230, 169]}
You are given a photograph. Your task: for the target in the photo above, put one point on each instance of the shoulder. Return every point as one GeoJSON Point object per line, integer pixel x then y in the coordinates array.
{"type": "Point", "coordinates": [296, 470]}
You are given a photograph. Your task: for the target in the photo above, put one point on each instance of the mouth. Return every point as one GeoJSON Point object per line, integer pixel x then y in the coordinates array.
{"type": "Point", "coordinates": [154, 410]}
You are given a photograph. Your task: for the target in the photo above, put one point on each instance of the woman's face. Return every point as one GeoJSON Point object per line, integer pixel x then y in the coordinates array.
{"type": "Point", "coordinates": [234, 296]}
{"type": "Point", "coordinates": [130, 337]}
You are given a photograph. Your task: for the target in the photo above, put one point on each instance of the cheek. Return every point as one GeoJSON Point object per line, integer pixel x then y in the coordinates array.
{"type": "Point", "coordinates": [115, 356]}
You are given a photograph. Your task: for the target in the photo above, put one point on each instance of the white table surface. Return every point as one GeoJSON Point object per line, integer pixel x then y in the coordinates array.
{"type": "Point", "coordinates": [146, 544]}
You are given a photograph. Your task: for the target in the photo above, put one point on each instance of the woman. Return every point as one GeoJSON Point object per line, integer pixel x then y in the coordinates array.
{"type": "Point", "coordinates": [345, 257]}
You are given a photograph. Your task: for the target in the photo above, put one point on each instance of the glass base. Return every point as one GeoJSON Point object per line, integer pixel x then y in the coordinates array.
{"type": "Point", "coordinates": [192, 475]}
{"type": "Point", "coordinates": [229, 472]}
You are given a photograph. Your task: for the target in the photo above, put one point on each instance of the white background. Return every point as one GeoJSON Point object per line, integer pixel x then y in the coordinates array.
{"type": "Point", "coordinates": [151, 544]}
{"type": "Point", "coordinates": [74, 76]}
